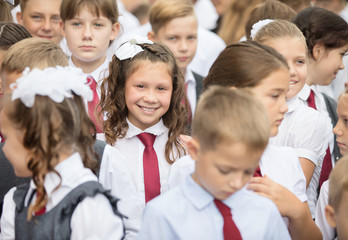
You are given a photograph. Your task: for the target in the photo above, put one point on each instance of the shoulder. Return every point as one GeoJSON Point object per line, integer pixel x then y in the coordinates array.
{"type": "Point", "coordinates": [209, 37]}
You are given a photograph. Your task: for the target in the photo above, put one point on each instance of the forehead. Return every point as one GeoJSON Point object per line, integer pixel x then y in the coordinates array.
{"type": "Point", "coordinates": [278, 79]}
{"type": "Point", "coordinates": [288, 46]}
{"type": "Point", "coordinates": [180, 24]}
{"type": "Point", "coordinates": [342, 105]}
{"type": "Point", "coordinates": [42, 6]}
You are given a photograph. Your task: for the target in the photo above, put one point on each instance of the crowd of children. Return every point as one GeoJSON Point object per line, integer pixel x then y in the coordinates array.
{"type": "Point", "coordinates": [111, 130]}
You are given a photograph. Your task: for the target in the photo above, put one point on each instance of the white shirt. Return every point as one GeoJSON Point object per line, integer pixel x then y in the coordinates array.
{"type": "Point", "coordinates": [191, 89]}
{"type": "Point", "coordinates": [307, 131]}
{"type": "Point", "coordinates": [189, 212]}
{"type": "Point", "coordinates": [326, 230]}
{"type": "Point", "coordinates": [321, 107]}
{"type": "Point", "coordinates": [115, 176]}
{"type": "Point", "coordinates": [206, 14]}
{"type": "Point", "coordinates": [127, 20]}
{"type": "Point", "coordinates": [209, 46]}
{"type": "Point", "coordinates": [93, 217]}
{"type": "Point", "coordinates": [281, 164]}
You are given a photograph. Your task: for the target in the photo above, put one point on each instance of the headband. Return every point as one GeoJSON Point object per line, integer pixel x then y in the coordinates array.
{"type": "Point", "coordinates": [56, 83]}
{"type": "Point", "coordinates": [257, 26]}
{"type": "Point", "coordinates": [130, 48]}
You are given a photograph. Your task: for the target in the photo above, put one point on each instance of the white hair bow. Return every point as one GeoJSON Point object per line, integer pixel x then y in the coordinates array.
{"type": "Point", "coordinates": [130, 48]}
{"type": "Point", "coordinates": [257, 26]}
{"type": "Point", "coordinates": [55, 82]}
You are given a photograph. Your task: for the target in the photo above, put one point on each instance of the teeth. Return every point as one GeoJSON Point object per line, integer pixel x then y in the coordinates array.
{"type": "Point", "coordinates": [148, 109]}
{"type": "Point", "coordinates": [292, 82]}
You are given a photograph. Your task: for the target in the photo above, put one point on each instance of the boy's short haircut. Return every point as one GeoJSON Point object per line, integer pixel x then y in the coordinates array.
{"type": "Point", "coordinates": [164, 11]}
{"type": "Point", "coordinates": [11, 33]}
{"type": "Point", "coordinates": [33, 53]}
{"type": "Point", "coordinates": [23, 4]}
{"type": "Point", "coordinates": [107, 8]}
{"type": "Point", "coordinates": [338, 182]}
{"type": "Point", "coordinates": [230, 116]}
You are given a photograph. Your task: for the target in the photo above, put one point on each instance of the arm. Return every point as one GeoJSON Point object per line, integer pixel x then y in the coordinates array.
{"type": "Point", "coordinates": [308, 168]}
{"type": "Point", "coordinates": [301, 224]}
{"type": "Point", "coordinates": [8, 216]}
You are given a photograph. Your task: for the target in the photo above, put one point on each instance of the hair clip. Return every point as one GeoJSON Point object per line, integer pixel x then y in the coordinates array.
{"type": "Point", "coordinates": [12, 2]}
{"type": "Point", "coordinates": [130, 48]}
{"type": "Point", "coordinates": [56, 83]}
{"type": "Point", "coordinates": [257, 26]}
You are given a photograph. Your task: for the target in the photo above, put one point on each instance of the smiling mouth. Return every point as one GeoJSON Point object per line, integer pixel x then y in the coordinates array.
{"type": "Point", "coordinates": [148, 109]}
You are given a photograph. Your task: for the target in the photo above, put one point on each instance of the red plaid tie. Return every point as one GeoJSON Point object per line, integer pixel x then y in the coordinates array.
{"type": "Point", "coordinates": [230, 229]}
{"type": "Point", "coordinates": [41, 210]}
{"type": "Point", "coordinates": [150, 165]}
{"type": "Point", "coordinates": [257, 172]}
{"type": "Point", "coordinates": [92, 105]}
{"type": "Point", "coordinates": [327, 165]}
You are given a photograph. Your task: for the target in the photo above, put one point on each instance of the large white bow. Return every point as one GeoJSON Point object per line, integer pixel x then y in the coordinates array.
{"type": "Point", "coordinates": [130, 48]}
{"type": "Point", "coordinates": [257, 26]}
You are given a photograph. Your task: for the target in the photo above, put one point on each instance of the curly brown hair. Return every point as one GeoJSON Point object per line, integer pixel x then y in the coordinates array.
{"type": "Point", "coordinates": [113, 103]}
{"type": "Point", "coordinates": [51, 130]}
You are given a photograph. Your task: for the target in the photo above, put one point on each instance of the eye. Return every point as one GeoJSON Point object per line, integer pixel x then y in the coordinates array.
{"type": "Point", "coordinates": [192, 37]}
{"type": "Point", "coordinates": [140, 86]}
{"type": "Point", "coordinates": [98, 25]}
{"type": "Point", "coordinates": [76, 24]}
{"type": "Point", "coordinates": [300, 61]}
{"type": "Point", "coordinates": [171, 38]}
{"type": "Point", "coordinates": [161, 88]}
{"type": "Point", "coordinates": [36, 17]}
{"type": "Point", "coordinates": [275, 95]}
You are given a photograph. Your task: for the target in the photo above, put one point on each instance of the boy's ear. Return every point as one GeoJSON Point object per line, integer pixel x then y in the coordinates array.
{"type": "Point", "coordinates": [115, 30]}
{"type": "Point", "coordinates": [330, 216]}
{"type": "Point", "coordinates": [193, 148]}
{"type": "Point", "coordinates": [318, 51]}
{"type": "Point", "coordinates": [19, 17]}
{"type": "Point", "coordinates": [151, 36]}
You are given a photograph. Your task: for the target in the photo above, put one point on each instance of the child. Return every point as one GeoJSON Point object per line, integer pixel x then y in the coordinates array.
{"type": "Point", "coordinates": [48, 139]}
{"type": "Point", "coordinates": [303, 128]}
{"type": "Point", "coordinates": [341, 132]}
{"type": "Point", "coordinates": [327, 41]}
{"type": "Point", "coordinates": [336, 211]}
{"type": "Point", "coordinates": [283, 180]}
{"type": "Point", "coordinates": [174, 24]}
{"type": "Point", "coordinates": [41, 18]}
{"type": "Point", "coordinates": [142, 98]}
{"type": "Point", "coordinates": [226, 156]}
{"type": "Point", "coordinates": [89, 27]}
{"type": "Point", "coordinates": [30, 52]}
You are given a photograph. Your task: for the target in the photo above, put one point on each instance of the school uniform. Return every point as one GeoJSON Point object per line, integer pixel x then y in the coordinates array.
{"type": "Point", "coordinates": [279, 163]}
{"type": "Point", "coordinates": [189, 212]}
{"type": "Point", "coordinates": [132, 149]}
{"type": "Point", "coordinates": [194, 84]}
{"type": "Point", "coordinates": [92, 216]}
{"type": "Point", "coordinates": [115, 176]}
{"type": "Point", "coordinates": [326, 230]}
{"type": "Point", "coordinates": [306, 130]}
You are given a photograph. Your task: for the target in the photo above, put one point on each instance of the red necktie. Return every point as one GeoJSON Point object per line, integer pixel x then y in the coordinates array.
{"type": "Point", "coordinates": [327, 165]}
{"type": "Point", "coordinates": [92, 105]}
{"type": "Point", "coordinates": [150, 165]}
{"type": "Point", "coordinates": [257, 172]}
{"type": "Point", "coordinates": [41, 210]}
{"type": "Point", "coordinates": [230, 229]}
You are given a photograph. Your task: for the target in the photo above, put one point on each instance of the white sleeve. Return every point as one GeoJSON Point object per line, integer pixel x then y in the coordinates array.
{"type": "Point", "coordinates": [320, 219]}
{"type": "Point", "coordinates": [299, 181]}
{"type": "Point", "coordinates": [94, 219]}
{"type": "Point", "coordinates": [116, 177]}
{"type": "Point", "coordinates": [8, 216]}
{"type": "Point", "coordinates": [311, 139]}
{"type": "Point", "coordinates": [179, 170]}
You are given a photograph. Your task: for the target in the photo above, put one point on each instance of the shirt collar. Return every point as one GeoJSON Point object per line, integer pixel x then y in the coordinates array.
{"type": "Point", "coordinates": [293, 104]}
{"type": "Point", "coordinates": [189, 76]}
{"type": "Point", "coordinates": [157, 129]}
{"type": "Point", "coordinates": [100, 73]}
{"type": "Point", "coordinates": [304, 93]}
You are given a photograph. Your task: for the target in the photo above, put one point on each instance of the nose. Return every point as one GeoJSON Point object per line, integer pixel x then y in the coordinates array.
{"type": "Point", "coordinates": [183, 46]}
{"type": "Point", "coordinates": [87, 32]}
{"type": "Point", "coordinates": [341, 64]}
{"type": "Point", "coordinates": [292, 70]}
{"type": "Point", "coordinates": [150, 96]}
{"type": "Point", "coordinates": [337, 130]}
{"type": "Point", "coordinates": [47, 25]}
{"type": "Point", "coordinates": [284, 107]}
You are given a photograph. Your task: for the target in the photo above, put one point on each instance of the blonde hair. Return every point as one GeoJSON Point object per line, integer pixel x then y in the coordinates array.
{"type": "Point", "coordinates": [225, 115]}
{"type": "Point", "coordinates": [338, 182]}
{"type": "Point", "coordinates": [51, 129]}
{"type": "Point", "coordinates": [33, 53]}
{"type": "Point", "coordinates": [279, 29]}
{"type": "Point", "coordinates": [164, 11]}
{"type": "Point", "coordinates": [234, 20]}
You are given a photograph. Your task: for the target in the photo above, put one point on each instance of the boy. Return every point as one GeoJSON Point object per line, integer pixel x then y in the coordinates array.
{"type": "Point", "coordinates": [89, 28]}
{"type": "Point", "coordinates": [41, 18]}
{"type": "Point", "coordinates": [174, 24]}
{"type": "Point", "coordinates": [226, 156]}
{"type": "Point", "coordinates": [336, 211]}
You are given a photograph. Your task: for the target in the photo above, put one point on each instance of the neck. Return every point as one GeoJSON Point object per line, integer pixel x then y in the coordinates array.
{"type": "Point", "coordinates": [311, 77]}
{"type": "Point", "coordinates": [88, 67]}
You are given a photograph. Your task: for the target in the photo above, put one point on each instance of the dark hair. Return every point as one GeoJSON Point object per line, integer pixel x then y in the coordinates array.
{"type": "Point", "coordinates": [10, 33]}
{"type": "Point", "coordinates": [319, 25]}
{"type": "Point", "coordinates": [113, 103]}
{"type": "Point", "coordinates": [244, 65]}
